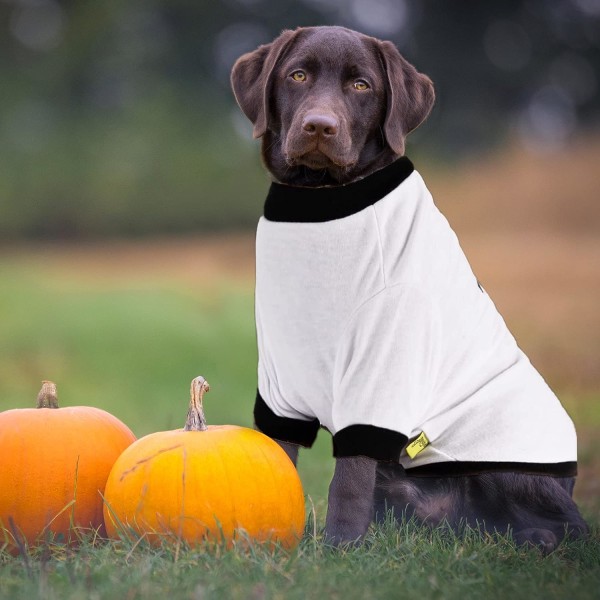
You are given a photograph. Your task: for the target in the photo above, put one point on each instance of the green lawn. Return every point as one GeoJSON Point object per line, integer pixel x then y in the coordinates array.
{"type": "Point", "coordinates": [131, 345]}
{"type": "Point", "coordinates": [409, 562]}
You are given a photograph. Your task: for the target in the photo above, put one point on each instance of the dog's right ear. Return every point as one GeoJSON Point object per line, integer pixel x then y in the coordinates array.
{"type": "Point", "coordinates": [251, 80]}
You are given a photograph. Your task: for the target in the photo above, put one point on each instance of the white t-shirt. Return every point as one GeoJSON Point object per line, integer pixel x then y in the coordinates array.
{"type": "Point", "coordinates": [370, 323]}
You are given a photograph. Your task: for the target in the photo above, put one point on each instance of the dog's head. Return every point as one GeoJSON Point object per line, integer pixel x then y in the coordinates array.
{"type": "Point", "coordinates": [331, 104]}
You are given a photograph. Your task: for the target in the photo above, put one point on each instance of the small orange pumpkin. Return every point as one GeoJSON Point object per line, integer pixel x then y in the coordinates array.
{"type": "Point", "coordinates": [54, 463]}
{"type": "Point", "coordinates": [205, 483]}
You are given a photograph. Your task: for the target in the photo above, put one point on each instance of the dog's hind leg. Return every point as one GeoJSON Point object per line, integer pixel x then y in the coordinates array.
{"type": "Point", "coordinates": [539, 509]}
{"type": "Point", "coordinates": [430, 500]}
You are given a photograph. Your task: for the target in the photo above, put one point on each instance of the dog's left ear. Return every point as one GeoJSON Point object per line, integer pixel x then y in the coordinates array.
{"type": "Point", "coordinates": [410, 97]}
{"type": "Point", "coordinates": [251, 80]}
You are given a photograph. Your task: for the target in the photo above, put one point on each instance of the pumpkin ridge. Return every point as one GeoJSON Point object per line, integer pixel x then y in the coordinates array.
{"type": "Point", "coordinates": [262, 452]}
{"type": "Point", "coordinates": [232, 507]}
{"type": "Point", "coordinates": [271, 474]}
{"type": "Point", "coordinates": [183, 492]}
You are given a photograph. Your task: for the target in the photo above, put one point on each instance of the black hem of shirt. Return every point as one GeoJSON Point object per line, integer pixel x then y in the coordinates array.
{"type": "Point", "coordinates": [386, 445]}
{"type": "Point", "coordinates": [295, 204]}
{"type": "Point", "coordinates": [368, 440]}
{"type": "Point", "coordinates": [461, 468]}
{"type": "Point", "coordinates": [284, 429]}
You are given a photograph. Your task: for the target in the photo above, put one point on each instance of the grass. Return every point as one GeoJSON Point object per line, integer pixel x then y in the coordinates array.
{"type": "Point", "coordinates": [408, 561]}
{"type": "Point", "coordinates": [128, 337]}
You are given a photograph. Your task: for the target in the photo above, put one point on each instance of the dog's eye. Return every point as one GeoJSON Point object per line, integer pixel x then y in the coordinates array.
{"type": "Point", "coordinates": [361, 85]}
{"type": "Point", "coordinates": [299, 76]}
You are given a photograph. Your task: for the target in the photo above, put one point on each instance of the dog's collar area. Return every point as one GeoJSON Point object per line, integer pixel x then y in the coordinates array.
{"type": "Point", "coordinates": [295, 204]}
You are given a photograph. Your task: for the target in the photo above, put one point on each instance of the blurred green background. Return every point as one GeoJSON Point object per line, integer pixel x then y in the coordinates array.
{"type": "Point", "coordinates": [130, 187]}
{"type": "Point", "coordinates": [116, 117]}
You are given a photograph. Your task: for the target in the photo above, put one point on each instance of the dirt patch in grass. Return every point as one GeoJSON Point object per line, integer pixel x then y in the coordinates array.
{"type": "Point", "coordinates": [195, 261]}
{"type": "Point", "coordinates": [547, 287]}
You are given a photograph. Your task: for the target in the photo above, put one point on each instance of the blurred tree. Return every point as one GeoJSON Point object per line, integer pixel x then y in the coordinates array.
{"type": "Point", "coordinates": [116, 117]}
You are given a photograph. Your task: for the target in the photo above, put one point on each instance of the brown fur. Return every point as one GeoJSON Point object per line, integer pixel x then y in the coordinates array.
{"type": "Point", "coordinates": [370, 125]}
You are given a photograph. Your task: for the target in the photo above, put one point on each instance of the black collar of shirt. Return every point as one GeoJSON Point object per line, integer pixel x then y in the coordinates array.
{"type": "Point", "coordinates": [294, 204]}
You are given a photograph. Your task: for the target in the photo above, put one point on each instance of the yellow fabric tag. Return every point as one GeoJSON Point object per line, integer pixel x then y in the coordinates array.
{"type": "Point", "coordinates": [417, 445]}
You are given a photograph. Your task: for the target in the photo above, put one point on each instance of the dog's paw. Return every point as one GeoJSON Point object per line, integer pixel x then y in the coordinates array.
{"type": "Point", "coordinates": [342, 540]}
{"type": "Point", "coordinates": [543, 539]}
{"type": "Point", "coordinates": [339, 543]}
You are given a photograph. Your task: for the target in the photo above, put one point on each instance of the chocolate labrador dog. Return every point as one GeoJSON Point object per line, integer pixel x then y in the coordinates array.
{"type": "Point", "coordinates": [370, 322]}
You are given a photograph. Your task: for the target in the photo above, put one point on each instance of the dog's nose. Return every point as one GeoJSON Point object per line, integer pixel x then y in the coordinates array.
{"type": "Point", "coordinates": [320, 124]}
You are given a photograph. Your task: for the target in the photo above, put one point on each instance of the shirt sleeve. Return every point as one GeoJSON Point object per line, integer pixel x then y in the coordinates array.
{"type": "Point", "coordinates": [385, 373]}
{"type": "Point", "coordinates": [285, 429]}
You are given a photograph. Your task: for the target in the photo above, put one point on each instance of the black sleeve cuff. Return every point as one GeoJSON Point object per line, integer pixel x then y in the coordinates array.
{"type": "Point", "coordinates": [284, 429]}
{"type": "Point", "coordinates": [368, 440]}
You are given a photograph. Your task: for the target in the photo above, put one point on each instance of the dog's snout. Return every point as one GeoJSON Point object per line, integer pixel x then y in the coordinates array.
{"type": "Point", "coordinates": [320, 124]}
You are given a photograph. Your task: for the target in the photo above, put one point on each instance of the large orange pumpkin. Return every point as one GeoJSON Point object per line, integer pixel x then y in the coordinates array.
{"type": "Point", "coordinates": [205, 483]}
{"type": "Point", "coordinates": [54, 463]}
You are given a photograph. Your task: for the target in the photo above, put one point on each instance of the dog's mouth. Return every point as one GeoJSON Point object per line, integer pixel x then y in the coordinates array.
{"type": "Point", "coordinates": [317, 160]}
{"type": "Point", "coordinates": [313, 160]}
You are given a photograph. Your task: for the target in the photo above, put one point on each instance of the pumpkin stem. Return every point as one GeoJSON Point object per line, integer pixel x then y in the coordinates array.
{"type": "Point", "coordinates": [196, 421]}
{"type": "Point", "coordinates": [47, 397]}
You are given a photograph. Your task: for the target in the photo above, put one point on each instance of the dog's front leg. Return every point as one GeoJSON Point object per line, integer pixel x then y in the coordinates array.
{"type": "Point", "coordinates": [350, 507]}
{"type": "Point", "coordinates": [290, 449]}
